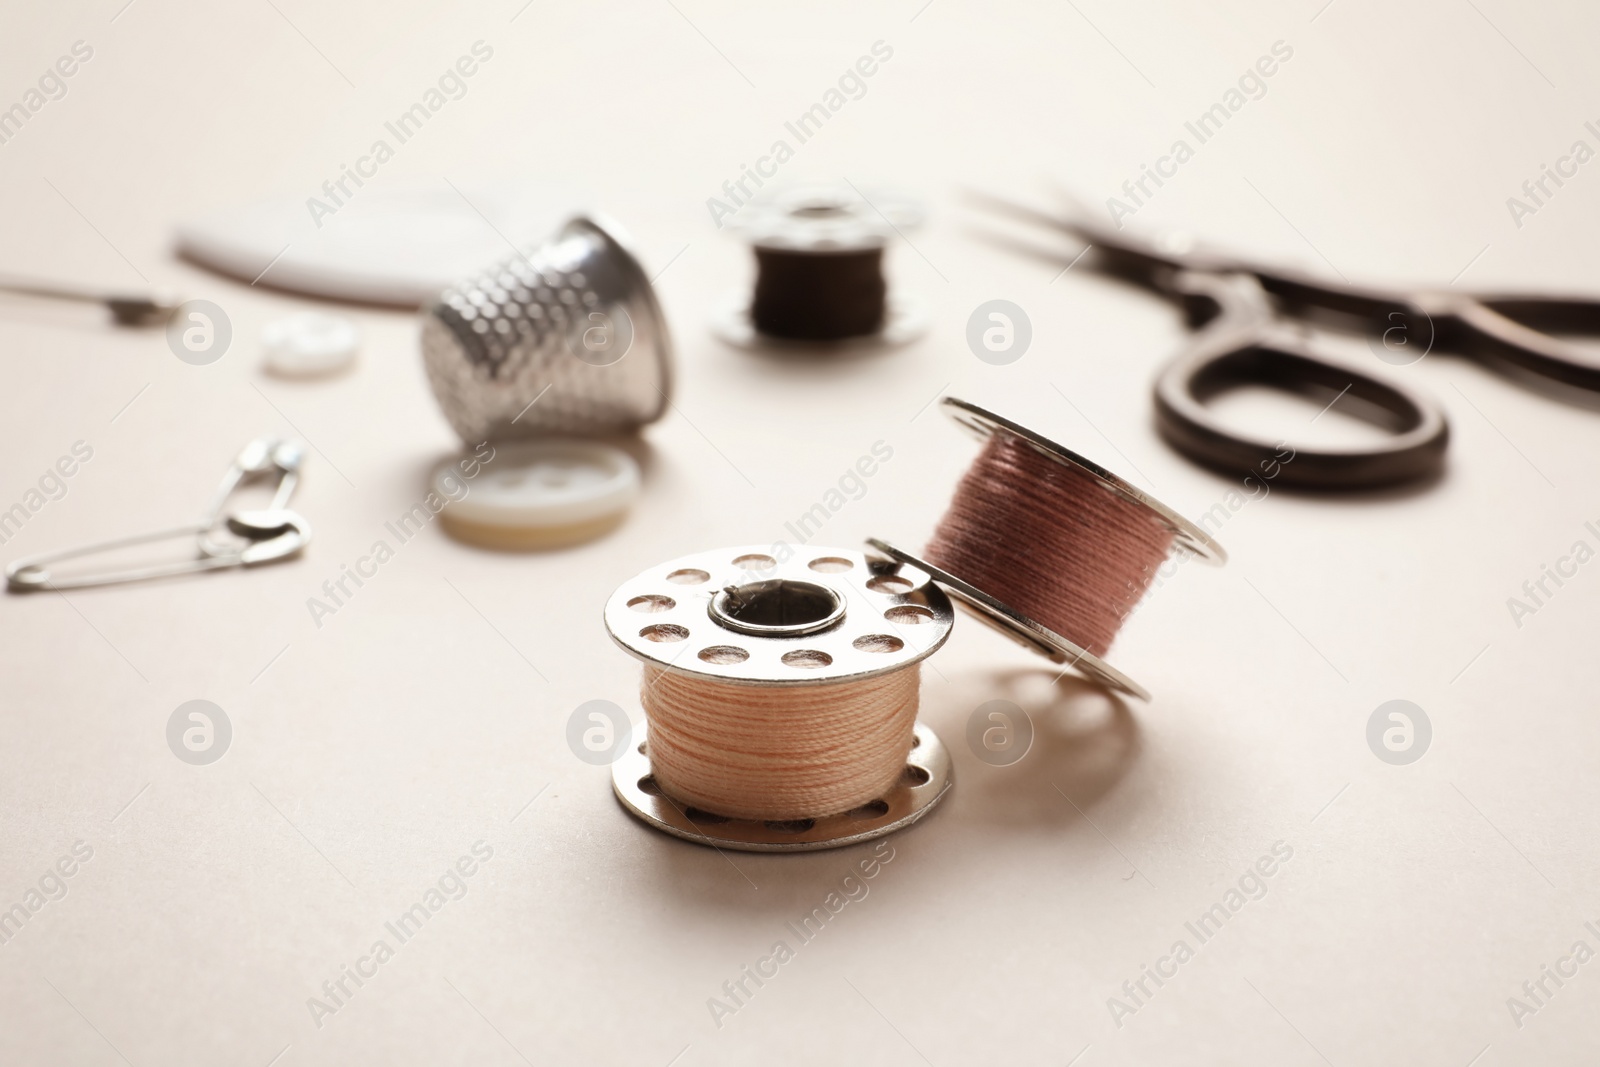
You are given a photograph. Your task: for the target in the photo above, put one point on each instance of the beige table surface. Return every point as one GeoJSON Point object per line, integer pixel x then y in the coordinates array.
{"type": "Point", "coordinates": [371, 753]}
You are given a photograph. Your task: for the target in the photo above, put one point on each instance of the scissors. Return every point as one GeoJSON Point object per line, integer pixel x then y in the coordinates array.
{"type": "Point", "coordinates": [1250, 319]}
{"type": "Point", "coordinates": [260, 536]}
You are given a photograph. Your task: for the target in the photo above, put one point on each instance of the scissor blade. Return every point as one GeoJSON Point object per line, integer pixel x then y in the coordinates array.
{"type": "Point", "coordinates": [1080, 226]}
{"type": "Point", "coordinates": [1077, 227]}
{"type": "Point", "coordinates": [1115, 253]}
{"type": "Point", "coordinates": [1058, 257]}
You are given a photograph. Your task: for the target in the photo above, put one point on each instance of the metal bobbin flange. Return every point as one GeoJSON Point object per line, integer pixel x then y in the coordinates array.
{"type": "Point", "coordinates": [742, 616]}
{"type": "Point", "coordinates": [1028, 631]}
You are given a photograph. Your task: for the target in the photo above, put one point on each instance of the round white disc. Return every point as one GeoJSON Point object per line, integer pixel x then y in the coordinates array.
{"type": "Point", "coordinates": [310, 344]}
{"type": "Point", "coordinates": [540, 488]}
{"type": "Point", "coordinates": [400, 242]}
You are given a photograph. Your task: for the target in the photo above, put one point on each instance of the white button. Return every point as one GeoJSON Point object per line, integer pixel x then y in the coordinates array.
{"type": "Point", "coordinates": [538, 494]}
{"type": "Point", "coordinates": [310, 344]}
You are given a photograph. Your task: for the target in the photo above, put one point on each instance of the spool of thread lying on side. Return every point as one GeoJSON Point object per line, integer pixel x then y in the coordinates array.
{"type": "Point", "coordinates": [1075, 556]}
{"type": "Point", "coordinates": [1049, 547]}
{"type": "Point", "coordinates": [780, 754]}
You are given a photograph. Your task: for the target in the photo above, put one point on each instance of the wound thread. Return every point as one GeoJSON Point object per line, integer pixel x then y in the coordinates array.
{"type": "Point", "coordinates": [1050, 541]}
{"type": "Point", "coordinates": [819, 296]}
{"type": "Point", "coordinates": [779, 753]}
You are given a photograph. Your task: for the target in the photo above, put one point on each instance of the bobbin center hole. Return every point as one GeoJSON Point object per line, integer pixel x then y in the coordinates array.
{"type": "Point", "coordinates": [777, 607]}
{"type": "Point", "coordinates": [819, 209]}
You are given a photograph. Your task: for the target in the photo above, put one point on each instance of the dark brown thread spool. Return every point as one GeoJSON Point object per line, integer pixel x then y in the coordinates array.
{"type": "Point", "coordinates": [819, 255]}
{"type": "Point", "coordinates": [819, 296]}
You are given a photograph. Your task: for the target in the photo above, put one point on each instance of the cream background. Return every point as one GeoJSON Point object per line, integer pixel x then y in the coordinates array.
{"type": "Point", "coordinates": [427, 713]}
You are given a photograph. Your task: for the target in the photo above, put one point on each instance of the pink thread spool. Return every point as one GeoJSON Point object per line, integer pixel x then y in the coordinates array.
{"type": "Point", "coordinates": [1050, 548]}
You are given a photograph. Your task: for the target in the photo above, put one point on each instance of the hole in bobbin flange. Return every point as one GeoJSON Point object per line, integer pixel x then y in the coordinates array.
{"type": "Point", "coordinates": [807, 657]}
{"type": "Point", "coordinates": [891, 584]}
{"type": "Point", "coordinates": [688, 576]}
{"type": "Point", "coordinates": [777, 607]}
{"type": "Point", "coordinates": [878, 643]}
{"type": "Point", "coordinates": [872, 809]}
{"type": "Point", "coordinates": [664, 632]}
{"type": "Point", "coordinates": [652, 602]}
{"type": "Point", "coordinates": [909, 614]}
{"type": "Point", "coordinates": [913, 794]}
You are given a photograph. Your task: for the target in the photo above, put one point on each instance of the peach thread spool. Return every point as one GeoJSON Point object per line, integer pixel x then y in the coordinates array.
{"type": "Point", "coordinates": [1050, 548]}
{"type": "Point", "coordinates": [781, 697]}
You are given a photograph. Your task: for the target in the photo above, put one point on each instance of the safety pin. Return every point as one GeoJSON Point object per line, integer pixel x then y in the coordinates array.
{"type": "Point", "coordinates": [261, 456]}
{"type": "Point", "coordinates": [272, 533]}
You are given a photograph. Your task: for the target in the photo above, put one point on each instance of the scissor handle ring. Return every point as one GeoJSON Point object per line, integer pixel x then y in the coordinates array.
{"type": "Point", "coordinates": [1415, 451]}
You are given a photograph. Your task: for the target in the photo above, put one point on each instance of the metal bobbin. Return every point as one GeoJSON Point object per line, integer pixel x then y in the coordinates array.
{"type": "Point", "coordinates": [568, 338]}
{"type": "Point", "coordinates": [740, 616]}
{"type": "Point", "coordinates": [822, 221]}
{"type": "Point", "coordinates": [1027, 631]}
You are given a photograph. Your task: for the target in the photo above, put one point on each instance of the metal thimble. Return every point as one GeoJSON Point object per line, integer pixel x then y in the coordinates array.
{"type": "Point", "coordinates": [567, 338]}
